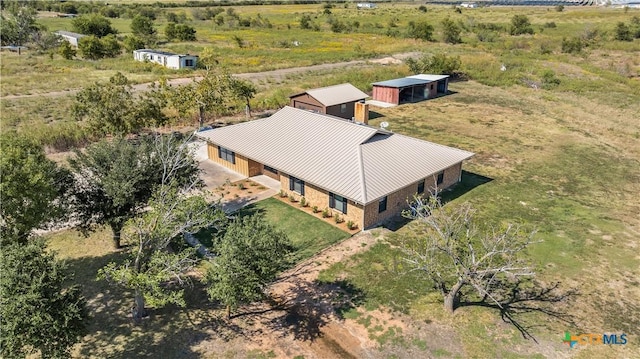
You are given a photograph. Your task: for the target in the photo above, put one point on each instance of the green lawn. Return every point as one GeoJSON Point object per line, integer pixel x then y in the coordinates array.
{"type": "Point", "coordinates": [308, 234]}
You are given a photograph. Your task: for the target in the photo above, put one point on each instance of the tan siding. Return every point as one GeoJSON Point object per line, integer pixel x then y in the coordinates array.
{"type": "Point", "coordinates": [397, 201]}
{"type": "Point", "coordinates": [242, 163]}
{"type": "Point", "coordinates": [319, 197]}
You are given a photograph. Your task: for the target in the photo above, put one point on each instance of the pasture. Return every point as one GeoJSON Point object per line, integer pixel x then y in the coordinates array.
{"type": "Point", "coordinates": [563, 157]}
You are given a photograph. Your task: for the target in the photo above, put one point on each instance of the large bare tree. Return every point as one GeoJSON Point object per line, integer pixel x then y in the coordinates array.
{"type": "Point", "coordinates": [455, 253]}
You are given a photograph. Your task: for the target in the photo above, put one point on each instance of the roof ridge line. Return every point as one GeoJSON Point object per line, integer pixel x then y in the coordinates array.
{"type": "Point", "coordinates": [362, 181]}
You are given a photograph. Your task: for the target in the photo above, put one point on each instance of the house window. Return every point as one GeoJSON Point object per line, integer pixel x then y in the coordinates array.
{"type": "Point", "coordinates": [270, 169]}
{"type": "Point", "coordinates": [343, 108]}
{"type": "Point", "coordinates": [338, 202]}
{"type": "Point", "coordinates": [226, 155]}
{"type": "Point", "coordinates": [440, 177]}
{"type": "Point", "coordinates": [382, 204]}
{"type": "Point", "coordinates": [296, 185]}
{"type": "Point", "coordinates": [188, 62]}
{"type": "Point", "coordinates": [421, 187]}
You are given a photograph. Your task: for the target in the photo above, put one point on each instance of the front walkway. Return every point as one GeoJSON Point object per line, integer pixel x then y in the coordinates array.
{"type": "Point", "coordinates": [266, 181]}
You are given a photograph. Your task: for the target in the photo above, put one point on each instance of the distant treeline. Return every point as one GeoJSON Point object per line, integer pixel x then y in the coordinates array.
{"type": "Point", "coordinates": [117, 10]}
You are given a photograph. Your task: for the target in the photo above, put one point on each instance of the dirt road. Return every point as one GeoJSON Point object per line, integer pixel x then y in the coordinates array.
{"type": "Point", "coordinates": [253, 76]}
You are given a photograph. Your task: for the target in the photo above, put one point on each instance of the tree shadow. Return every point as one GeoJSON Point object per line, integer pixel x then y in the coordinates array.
{"type": "Point", "coordinates": [166, 332]}
{"type": "Point", "coordinates": [304, 308]}
{"type": "Point", "coordinates": [527, 296]}
{"type": "Point", "coordinates": [468, 182]}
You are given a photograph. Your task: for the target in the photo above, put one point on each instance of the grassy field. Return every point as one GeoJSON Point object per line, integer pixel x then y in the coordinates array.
{"type": "Point", "coordinates": [564, 160]}
{"type": "Point", "coordinates": [569, 168]}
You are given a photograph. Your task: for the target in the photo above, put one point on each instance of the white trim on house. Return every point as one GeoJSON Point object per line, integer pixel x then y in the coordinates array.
{"type": "Point", "coordinates": [166, 59]}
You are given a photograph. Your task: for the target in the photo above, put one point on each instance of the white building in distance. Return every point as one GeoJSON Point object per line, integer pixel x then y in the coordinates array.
{"type": "Point", "coordinates": [166, 59]}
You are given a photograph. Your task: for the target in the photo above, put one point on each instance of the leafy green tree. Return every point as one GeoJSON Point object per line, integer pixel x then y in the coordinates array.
{"type": "Point", "coordinates": [142, 28]}
{"type": "Point", "coordinates": [91, 48]}
{"type": "Point", "coordinates": [244, 90]}
{"type": "Point", "coordinates": [93, 24]}
{"type": "Point", "coordinates": [133, 43]}
{"type": "Point", "coordinates": [250, 255]}
{"type": "Point", "coordinates": [170, 31]}
{"type": "Point", "coordinates": [454, 253]}
{"type": "Point", "coordinates": [18, 25]}
{"type": "Point", "coordinates": [66, 50]}
{"type": "Point", "coordinates": [39, 311]}
{"type": "Point", "coordinates": [116, 179]}
{"type": "Point", "coordinates": [305, 22]}
{"type": "Point", "coordinates": [32, 186]}
{"type": "Point", "coordinates": [212, 94]}
{"type": "Point", "coordinates": [435, 64]}
{"type": "Point", "coordinates": [154, 271]}
{"type": "Point", "coordinates": [520, 25]}
{"type": "Point", "coordinates": [622, 32]}
{"type": "Point", "coordinates": [110, 46]}
{"type": "Point", "coordinates": [113, 108]}
{"type": "Point", "coordinates": [185, 32]}
{"type": "Point", "coordinates": [450, 31]}
{"type": "Point", "coordinates": [420, 30]}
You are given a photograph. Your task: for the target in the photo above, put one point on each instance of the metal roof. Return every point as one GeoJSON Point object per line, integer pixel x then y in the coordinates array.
{"type": "Point", "coordinates": [359, 162]}
{"type": "Point", "coordinates": [160, 52]}
{"type": "Point", "coordinates": [70, 34]}
{"type": "Point", "coordinates": [401, 82]}
{"type": "Point", "coordinates": [337, 94]}
{"type": "Point", "coordinates": [428, 77]}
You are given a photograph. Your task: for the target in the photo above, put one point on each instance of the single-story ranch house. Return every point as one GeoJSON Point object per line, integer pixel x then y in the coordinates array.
{"type": "Point", "coordinates": [410, 89]}
{"type": "Point", "coordinates": [338, 100]}
{"type": "Point", "coordinates": [166, 59]}
{"type": "Point", "coordinates": [364, 173]}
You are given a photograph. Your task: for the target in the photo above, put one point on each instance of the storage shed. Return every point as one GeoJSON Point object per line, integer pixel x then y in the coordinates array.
{"type": "Point", "coordinates": [410, 89]}
{"type": "Point", "coordinates": [337, 100]}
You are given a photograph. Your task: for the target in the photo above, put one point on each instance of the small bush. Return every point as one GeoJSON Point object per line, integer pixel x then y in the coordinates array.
{"type": "Point", "coordinates": [549, 80]}
{"type": "Point", "coordinates": [338, 219]}
{"type": "Point", "coordinates": [315, 209]}
{"type": "Point", "coordinates": [262, 187]}
{"type": "Point", "coordinates": [303, 202]}
{"type": "Point", "coordinates": [422, 8]}
{"type": "Point", "coordinates": [326, 213]}
{"type": "Point", "coordinates": [559, 8]}
{"type": "Point", "coordinates": [241, 186]}
{"type": "Point", "coordinates": [572, 46]}
{"type": "Point", "coordinates": [550, 25]}
{"type": "Point", "coordinates": [292, 198]}
{"type": "Point", "coordinates": [351, 225]}
{"type": "Point", "coordinates": [282, 193]}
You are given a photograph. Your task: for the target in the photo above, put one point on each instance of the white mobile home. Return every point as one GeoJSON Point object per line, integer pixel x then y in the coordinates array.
{"type": "Point", "coordinates": [166, 59]}
{"type": "Point", "coordinates": [71, 37]}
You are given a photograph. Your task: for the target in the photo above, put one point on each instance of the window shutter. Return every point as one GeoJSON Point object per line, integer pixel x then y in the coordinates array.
{"type": "Point", "coordinates": [332, 201]}
{"type": "Point", "coordinates": [219, 152]}
{"type": "Point", "coordinates": [291, 179]}
{"type": "Point", "coordinates": [302, 188]}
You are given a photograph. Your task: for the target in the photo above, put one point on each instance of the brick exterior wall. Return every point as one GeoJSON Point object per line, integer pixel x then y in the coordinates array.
{"type": "Point", "coordinates": [397, 201]}
{"type": "Point", "coordinates": [316, 196]}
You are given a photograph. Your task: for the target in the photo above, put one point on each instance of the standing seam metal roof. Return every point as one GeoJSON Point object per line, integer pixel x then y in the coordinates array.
{"type": "Point", "coordinates": [337, 94]}
{"type": "Point", "coordinates": [356, 161]}
{"type": "Point", "coordinates": [428, 77]}
{"type": "Point", "coordinates": [401, 82]}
